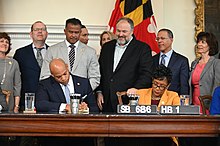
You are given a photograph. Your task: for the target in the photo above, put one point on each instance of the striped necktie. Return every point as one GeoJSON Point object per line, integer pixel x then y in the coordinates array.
{"type": "Point", "coordinates": [72, 56]}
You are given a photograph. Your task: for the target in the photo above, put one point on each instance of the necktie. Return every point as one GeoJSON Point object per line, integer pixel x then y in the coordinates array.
{"type": "Point", "coordinates": [39, 57]}
{"type": "Point", "coordinates": [163, 59]}
{"type": "Point", "coordinates": [67, 94]}
{"type": "Point", "coordinates": [72, 56]}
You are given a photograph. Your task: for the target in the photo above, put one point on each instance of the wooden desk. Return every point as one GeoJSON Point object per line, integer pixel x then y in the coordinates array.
{"type": "Point", "coordinates": [94, 125]}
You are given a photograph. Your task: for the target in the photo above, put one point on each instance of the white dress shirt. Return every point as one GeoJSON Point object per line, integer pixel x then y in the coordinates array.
{"type": "Point", "coordinates": [167, 58]}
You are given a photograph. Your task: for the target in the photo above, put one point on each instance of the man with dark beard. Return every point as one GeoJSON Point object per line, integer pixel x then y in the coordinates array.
{"type": "Point", "coordinates": [124, 63]}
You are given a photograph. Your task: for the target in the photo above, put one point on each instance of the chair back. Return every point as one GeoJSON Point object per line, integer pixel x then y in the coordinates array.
{"type": "Point", "coordinates": [120, 94]}
{"type": "Point", "coordinates": [205, 101]}
{"type": "Point", "coordinates": [7, 95]}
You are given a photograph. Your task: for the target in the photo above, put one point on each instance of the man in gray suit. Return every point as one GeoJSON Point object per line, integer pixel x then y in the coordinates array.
{"type": "Point", "coordinates": [82, 59]}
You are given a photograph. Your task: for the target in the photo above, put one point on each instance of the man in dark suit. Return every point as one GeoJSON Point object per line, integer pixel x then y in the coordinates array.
{"type": "Point", "coordinates": [124, 63]}
{"type": "Point", "coordinates": [50, 95]}
{"type": "Point", "coordinates": [178, 63]}
{"type": "Point", "coordinates": [29, 61]}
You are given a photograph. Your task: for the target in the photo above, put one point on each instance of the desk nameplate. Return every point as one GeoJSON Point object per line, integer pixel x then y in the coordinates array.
{"type": "Point", "coordinates": [180, 110]}
{"type": "Point", "coordinates": [137, 109]}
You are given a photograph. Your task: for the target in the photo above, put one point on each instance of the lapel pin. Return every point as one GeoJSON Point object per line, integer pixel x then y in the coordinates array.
{"type": "Point", "coordinates": [78, 84]}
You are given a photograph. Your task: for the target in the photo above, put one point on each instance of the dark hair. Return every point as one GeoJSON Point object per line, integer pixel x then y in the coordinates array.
{"type": "Point", "coordinates": [7, 37]}
{"type": "Point", "coordinates": [170, 33]}
{"type": "Point", "coordinates": [73, 21]}
{"type": "Point", "coordinates": [32, 26]}
{"type": "Point", "coordinates": [83, 26]}
{"type": "Point", "coordinates": [162, 72]}
{"type": "Point", "coordinates": [130, 21]}
{"type": "Point", "coordinates": [211, 41]}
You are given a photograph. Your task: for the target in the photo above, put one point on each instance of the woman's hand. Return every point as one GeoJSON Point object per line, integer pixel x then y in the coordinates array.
{"type": "Point", "coordinates": [16, 109]}
{"type": "Point", "coordinates": [131, 91]}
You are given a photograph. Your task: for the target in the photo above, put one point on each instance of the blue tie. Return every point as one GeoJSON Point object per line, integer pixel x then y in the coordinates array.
{"type": "Point", "coordinates": [163, 59]}
{"type": "Point", "coordinates": [67, 94]}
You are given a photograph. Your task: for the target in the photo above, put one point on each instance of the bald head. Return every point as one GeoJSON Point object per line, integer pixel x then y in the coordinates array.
{"type": "Point", "coordinates": [59, 70]}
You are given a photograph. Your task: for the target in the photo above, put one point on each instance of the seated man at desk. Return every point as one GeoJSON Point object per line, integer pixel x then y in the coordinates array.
{"type": "Point", "coordinates": [52, 96]}
{"type": "Point", "coordinates": [158, 95]}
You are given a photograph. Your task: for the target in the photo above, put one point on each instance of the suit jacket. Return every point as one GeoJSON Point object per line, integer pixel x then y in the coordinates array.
{"type": "Point", "coordinates": [85, 65]}
{"type": "Point", "coordinates": [49, 95]}
{"type": "Point", "coordinates": [179, 65]}
{"type": "Point", "coordinates": [209, 78]}
{"type": "Point", "coordinates": [168, 97]}
{"type": "Point", "coordinates": [215, 104]}
{"type": "Point", "coordinates": [133, 70]}
{"type": "Point", "coordinates": [29, 68]}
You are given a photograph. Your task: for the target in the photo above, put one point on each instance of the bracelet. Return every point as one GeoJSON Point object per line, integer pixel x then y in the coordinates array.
{"type": "Point", "coordinates": [17, 106]}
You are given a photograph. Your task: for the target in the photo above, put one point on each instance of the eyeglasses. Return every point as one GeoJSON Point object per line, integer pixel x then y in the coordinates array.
{"type": "Point", "coordinates": [39, 29]}
{"type": "Point", "coordinates": [161, 87]}
{"type": "Point", "coordinates": [162, 38]}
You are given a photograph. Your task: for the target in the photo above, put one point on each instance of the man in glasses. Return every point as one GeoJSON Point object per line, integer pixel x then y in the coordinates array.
{"type": "Point", "coordinates": [178, 63]}
{"type": "Point", "coordinates": [30, 59]}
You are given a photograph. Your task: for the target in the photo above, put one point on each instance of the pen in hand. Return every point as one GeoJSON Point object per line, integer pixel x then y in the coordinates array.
{"type": "Point", "coordinates": [83, 98]}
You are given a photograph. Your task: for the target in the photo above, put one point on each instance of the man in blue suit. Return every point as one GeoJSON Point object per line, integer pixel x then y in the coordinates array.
{"type": "Point", "coordinates": [28, 59]}
{"type": "Point", "coordinates": [178, 63]}
{"type": "Point", "coordinates": [50, 95]}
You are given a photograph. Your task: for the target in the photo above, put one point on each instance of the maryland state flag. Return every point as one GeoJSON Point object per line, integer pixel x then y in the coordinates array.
{"type": "Point", "coordinates": [140, 11]}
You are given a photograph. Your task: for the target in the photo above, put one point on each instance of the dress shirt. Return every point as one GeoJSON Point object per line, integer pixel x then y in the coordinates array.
{"type": "Point", "coordinates": [43, 51]}
{"type": "Point", "coordinates": [167, 58]}
{"type": "Point", "coordinates": [119, 51]}
{"type": "Point", "coordinates": [76, 46]}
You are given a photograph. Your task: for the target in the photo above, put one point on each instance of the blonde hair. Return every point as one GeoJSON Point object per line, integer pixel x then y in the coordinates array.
{"type": "Point", "coordinates": [111, 35]}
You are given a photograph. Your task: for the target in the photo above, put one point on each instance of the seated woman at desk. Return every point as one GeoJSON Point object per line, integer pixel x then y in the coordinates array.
{"type": "Point", "coordinates": [158, 95]}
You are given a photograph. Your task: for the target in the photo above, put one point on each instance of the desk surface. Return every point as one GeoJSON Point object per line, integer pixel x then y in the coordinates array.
{"type": "Point", "coordinates": [105, 125]}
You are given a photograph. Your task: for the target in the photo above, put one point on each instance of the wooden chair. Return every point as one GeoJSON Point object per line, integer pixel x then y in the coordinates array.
{"type": "Point", "coordinates": [7, 95]}
{"type": "Point", "coordinates": [120, 94]}
{"type": "Point", "coordinates": [205, 101]}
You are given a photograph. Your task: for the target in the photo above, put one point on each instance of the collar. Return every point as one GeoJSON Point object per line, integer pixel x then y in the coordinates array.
{"type": "Point", "coordinates": [168, 54]}
{"type": "Point", "coordinates": [68, 44]}
{"type": "Point", "coordinates": [33, 46]}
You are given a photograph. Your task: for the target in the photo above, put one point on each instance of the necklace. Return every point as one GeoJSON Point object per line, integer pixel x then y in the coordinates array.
{"type": "Point", "coordinates": [155, 98]}
{"type": "Point", "coordinates": [4, 74]}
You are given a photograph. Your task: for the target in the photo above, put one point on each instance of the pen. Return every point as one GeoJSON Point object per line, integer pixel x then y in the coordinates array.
{"type": "Point", "coordinates": [83, 98]}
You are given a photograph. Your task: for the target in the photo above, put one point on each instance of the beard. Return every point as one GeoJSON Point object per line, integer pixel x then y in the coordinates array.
{"type": "Point", "coordinates": [122, 42]}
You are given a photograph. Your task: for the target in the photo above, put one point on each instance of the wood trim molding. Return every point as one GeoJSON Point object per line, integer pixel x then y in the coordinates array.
{"type": "Point", "coordinates": [21, 31]}
{"type": "Point", "coordinates": [199, 20]}
{"type": "Point", "coordinates": [20, 35]}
